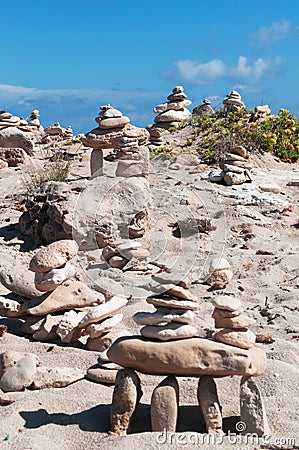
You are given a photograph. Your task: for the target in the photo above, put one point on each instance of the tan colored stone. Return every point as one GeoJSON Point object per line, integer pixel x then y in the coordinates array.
{"type": "Point", "coordinates": [231, 178]}
{"type": "Point", "coordinates": [47, 329]}
{"type": "Point", "coordinates": [98, 313]}
{"type": "Point", "coordinates": [172, 303]}
{"type": "Point", "coordinates": [98, 329]}
{"type": "Point", "coordinates": [126, 395]}
{"type": "Point", "coordinates": [31, 324]}
{"type": "Point", "coordinates": [232, 168]}
{"type": "Point", "coordinates": [56, 377]}
{"type": "Point", "coordinates": [9, 358]}
{"type": "Point", "coordinates": [164, 315]}
{"type": "Point", "coordinates": [96, 162]}
{"type": "Point", "coordinates": [100, 375]}
{"type": "Point", "coordinates": [241, 338]}
{"type": "Point", "coordinates": [210, 406]}
{"type": "Point", "coordinates": [20, 375]}
{"type": "Point", "coordinates": [240, 150]}
{"type": "Point", "coordinates": [117, 262]}
{"type": "Point", "coordinates": [165, 405]}
{"type": "Point", "coordinates": [102, 343]}
{"type": "Point", "coordinates": [67, 329]}
{"type": "Point", "coordinates": [180, 292]}
{"type": "Point", "coordinates": [54, 255]}
{"type": "Point", "coordinates": [48, 281]}
{"type": "Point", "coordinates": [192, 357]}
{"type": "Point", "coordinates": [171, 331]}
{"type": "Point", "coordinates": [252, 408]}
{"type": "Point", "coordinates": [219, 279]}
{"type": "Point", "coordinates": [69, 295]}
{"type": "Point", "coordinates": [114, 122]}
{"type": "Point", "coordinates": [225, 313]}
{"type": "Point", "coordinates": [19, 281]}
{"type": "Point", "coordinates": [241, 321]}
{"type": "Point", "coordinates": [226, 302]}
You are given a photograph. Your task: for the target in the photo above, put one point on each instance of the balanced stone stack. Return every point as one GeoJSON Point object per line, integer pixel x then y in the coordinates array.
{"type": "Point", "coordinates": [68, 133]}
{"type": "Point", "coordinates": [53, 133]}
{"type": "Point", "coordinates": [8, 120]}
{"type": "Point", "coordinates": [169, 114]}
{"type": "Point", "coordinates": [232, 103]}
{"type": "Point", "coordinates": [119, 256]}
{"type": "Point", "coordinates": [203, 109]}
{"type": "Point", "coordinates": [34, 119]}
{"type": "Point", "coordinates": [228, 315]}
{"type": "Point", "coordinates": [174, 315]}
{"type": "Point", "coordinates": [235, 168]}
{"type": "Point", "coordinates": [114, 132]}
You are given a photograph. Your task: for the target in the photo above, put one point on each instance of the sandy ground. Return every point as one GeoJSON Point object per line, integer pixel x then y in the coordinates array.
{"type": "Point", "coordinates": [77, 417]}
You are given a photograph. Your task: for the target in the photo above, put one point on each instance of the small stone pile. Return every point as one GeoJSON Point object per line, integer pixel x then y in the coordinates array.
{"type": "Point", "coordinates": [228, 316]}
{"type": "Point", "coordinates": [34, 119]}
{"type": "Point", "coordinates": [69, 134]}
{"type": "Point", "coordinates": [119, 256]}
{"type": "Point", "coordinates": [235, 168]}
{"type": "Point", "coordinates": [169, 114]}
{"type": "Point", "coordinates": [232, 102]}
{"type": "Point", "coordinates": [260, 114]}
{"type": "Point", "coordinates": [174, 315]}
{"type": "Point", "coordinates": [203, 109]}
{"type": "Point", "coordinates": [220, 274]}
{"type": "Point", "coordinates": [8, 120]}
{"type": "Point", "coordinates": [114, 132]}
{"type": "Point", "coordinates": [53, 133]}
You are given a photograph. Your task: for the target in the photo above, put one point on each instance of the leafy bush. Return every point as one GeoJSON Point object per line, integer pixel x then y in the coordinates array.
{"type": "Point", "coordinates": [215, 134]}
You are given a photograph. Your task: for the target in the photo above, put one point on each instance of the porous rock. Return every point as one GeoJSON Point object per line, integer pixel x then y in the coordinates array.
{"type": "Point", "coordinates": [54, 255]}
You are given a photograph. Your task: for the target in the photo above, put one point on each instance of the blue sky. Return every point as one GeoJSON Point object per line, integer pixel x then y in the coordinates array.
{"type": "Point", "coordinates": [68, 57]}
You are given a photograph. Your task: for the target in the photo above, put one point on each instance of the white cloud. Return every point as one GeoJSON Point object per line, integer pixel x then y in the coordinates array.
{"type": "Point", "coordinates": [201, 73]}
{"type": "Point", "coordinates": [266, 36]}
{"type": "Point", "coordinates": [243, 72]}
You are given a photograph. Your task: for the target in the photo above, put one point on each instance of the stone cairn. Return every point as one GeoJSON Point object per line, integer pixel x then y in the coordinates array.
{"type": "Point", "coordinates": [220, 274]}
{"type": "Point", "coordinates": [203, 109]}
{"type": "Point", "coordinates": [120, 255]}
{"type": "Point", "coordinates": [32, 125]}
{"type": "Point", "coordinates": [169, 114]}
{"type": "Point", "coordinates": [174, 315]}
{"type": "Point", "coordinates": [228, 316]}
{"type": "Point", "coordinates": [114, 132]}
{"type": "Point", "coordinates": [69, 134]}
{"type": "Point", "coordinates": [232, 103]}
{"type": "Point", "coordinates": [235, 168]}
{"type": "Point", "coordinates": [232, 352]}
{"type": "Point", "coordinates": [34, 119]}
{"type": "Point", "coordinates": [55, 305]}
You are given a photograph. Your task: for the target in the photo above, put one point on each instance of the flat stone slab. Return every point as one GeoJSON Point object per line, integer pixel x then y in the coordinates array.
{"type": "Point", "coordinates": [189, 357]}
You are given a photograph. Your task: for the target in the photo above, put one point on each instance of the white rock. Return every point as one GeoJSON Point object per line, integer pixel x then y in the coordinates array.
{"type": "Point", "coordinates": [98, 329]}
{"type": "Point", "coordinates": [100, 312]}
{"type": "Point", "coordinates": [219, 264]}
{"type": "Point", "coordinates": [48, 281]}
{"type": "Point", "coordinates": [130, 245]}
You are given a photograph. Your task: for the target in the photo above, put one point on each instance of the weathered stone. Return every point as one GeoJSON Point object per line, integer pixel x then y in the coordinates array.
{"type": "Point", "coordinates": [96, 162]}
{"type": "Point", "coordinates": [12, 137]}
{"type": "Point", "coordinates": [171, 331]}
{"type": "Point", "coordinates": [231, 178]}
{"type": "Point", "coordinates": [240, 321]}
{"type": "Point", "coordinates": [56, 377]}
{"type": "Point", "coordinates": [115, 122]}
{"type": "Point", "coordinates": [67, 328]}
{"type": "Point", "coordinates": [31, 324]}
{"type": "Point", "coordinates": [219, 264]}
{"type": "Point", "coordinates": [225, 313]}
{"type": "Point", "coordinates": [69, 295]}
{"type": "Point", "coordinates": [219, 279]}
{"type": "Point", "coordinates": [164, 315]}
{"type": "Point", "coordinates": [19, 281]}
{"type": "Point", "coordinates": [47, 329]}
{"type": "Point", "coordinates": [253, 413]}
{"type": "Point", "coordinates": [172, 303]}
{"type": "Point", "coordinates": [48, 281]}
{"type": "Point", "coordinates": [117, 262]}
{"type": "Point", "coordinates": [108, 252]}
{"type": "Point", "coordinates": [226, 302]}
{"type": "Point", "coordinates": [173, 116]}
{"type": "Point", "coordinates": [100, 375]}
{"type": "Point", "coordinates": [241, 338]}
{"type": "Point", "coordinates": [98, 329]}
{"type": "Point", "coordinates": [9, 358]}
{"type": "Point", "coordinates": [126, 395]}
{"type": "Point", "coordinates": [165, 405]}
{"type": "Point", "coordinates": [101, 139]}
{"type": "Point", "coordinates": [210, 405]}
{"type": "Point", "coordinates": [192, 357]}
{"type": "Point", "coordinates": [232, 168]}
{"type": "Point", "coordinates": [100, 312]}
{"type": "Point", "coordinates": [54, 255]}
{"type": "Point", "coordinates": [173, 278]}
{"type": "Point", "coordinates": [10, 308]}
{"type": "Point", "coordinates": [20, 375]}
{"type": "Point", "coordinates": [100, 344]}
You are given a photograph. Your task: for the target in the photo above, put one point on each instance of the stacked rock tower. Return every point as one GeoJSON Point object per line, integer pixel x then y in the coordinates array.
{"type": "Point", "coordinates": [235, 168]}
{"type": "Point", "coordinates": [228, 315]}
{"type": "Point", "coordinates": [174, 315]}
{"type": "Point", "coordinates": [232, 102]}
{"type": "Point", "coordinates": [169, 114]}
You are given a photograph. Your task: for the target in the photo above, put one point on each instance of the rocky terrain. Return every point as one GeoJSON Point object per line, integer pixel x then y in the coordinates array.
{"type": "Point", "coordinates": [188, 220]}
